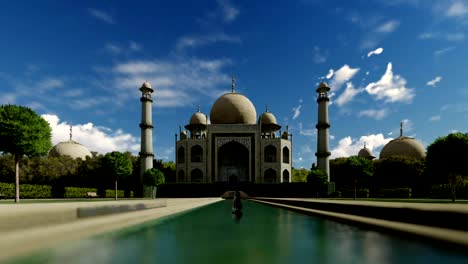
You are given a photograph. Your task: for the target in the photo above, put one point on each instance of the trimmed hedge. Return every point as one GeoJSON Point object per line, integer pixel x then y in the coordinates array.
{"type": "Point", "coordinates": [395, 193]}
{"type": "Point", "coordinates": [360, 193]}
{"type": "Point", "coordinates": [443, 191]}
{"type": "Point", "coordinates": [26, 190]}
{"type": "Point", "coordinates": [44, 191]}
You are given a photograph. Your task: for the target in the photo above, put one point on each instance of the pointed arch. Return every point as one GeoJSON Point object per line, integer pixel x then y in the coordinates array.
{"type": "Point", "coordinates": [270, 154]}
{"type": "Point", "coordinates": [196, 175]}
{"type": "Point", "coordinates": [181, 176]}
{"type": "Point", "coordinates": [269, 176]}
{"type": "Point", "coordinates": [196, 154]}
{"type": "Point", "coordinates": [285, 155]}
{"type": "Point", "coordinates": [286, 176]}
{"type": "Point", "coordinates": [181, 155]}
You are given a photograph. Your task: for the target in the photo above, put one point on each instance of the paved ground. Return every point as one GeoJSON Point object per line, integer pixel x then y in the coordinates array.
{"type": "Point", "coordinates": [29, 227]}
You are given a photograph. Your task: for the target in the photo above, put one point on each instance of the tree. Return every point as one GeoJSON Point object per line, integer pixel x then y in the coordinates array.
{"type": "Point", "coordinates": [118, 165]}
{"type": "Point", "coordinates": [398, 172]}
{"type": "Point", "coordinates": [300, 175]}
{"type": "Point", "coordinates": [318, 180]}
{"type": "Point", "coordinates": [153, 177]}
{"type": "Point", "coordinates": [359, 170]}
{"type": "Point", "coordinates": [447, 159]}
{"type": "Point", "coordinates": [23, 133]}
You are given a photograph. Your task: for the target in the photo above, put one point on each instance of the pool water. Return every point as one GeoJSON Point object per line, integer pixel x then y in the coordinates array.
{"type": "Point", "coordinates": [264, 234]}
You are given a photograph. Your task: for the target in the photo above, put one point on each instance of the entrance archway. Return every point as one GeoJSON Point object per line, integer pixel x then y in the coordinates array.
{"type": "Point", "coordinates": [233, 162]}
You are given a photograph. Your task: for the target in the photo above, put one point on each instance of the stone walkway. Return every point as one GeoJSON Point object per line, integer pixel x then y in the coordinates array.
{"type": "Point", "coordinates": [25, 228]}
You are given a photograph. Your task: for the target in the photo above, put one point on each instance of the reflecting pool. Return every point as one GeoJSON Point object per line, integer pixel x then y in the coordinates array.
{"type": "Point", "coordinates": [262, 234]}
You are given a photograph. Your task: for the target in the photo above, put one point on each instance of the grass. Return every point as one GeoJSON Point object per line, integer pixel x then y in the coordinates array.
{"type": "Point", "coordinates": [405, 200]}
{"type": "Point", "coordinates": [71, 200]}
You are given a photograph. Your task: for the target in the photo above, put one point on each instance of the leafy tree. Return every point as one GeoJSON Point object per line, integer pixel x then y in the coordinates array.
{"type": "Point", "coordinates": [23, 133]}
{"type": "Point", "coordinates": [318, 180]}
{"type": "Point", "coordinates": [153, 177]}
{"type": "Point", "coordinates": [398, 172]}
{"type": "Point", "coordinates": [447, 158]}
{"type": "Point", "coordinates": [300, 175]}
{"type": "Point", "coordinates": [359, 171]}
{"type": "Point", "coordinates": [167, 168]}
{"type": "Point", "coordinates": [118, 165]}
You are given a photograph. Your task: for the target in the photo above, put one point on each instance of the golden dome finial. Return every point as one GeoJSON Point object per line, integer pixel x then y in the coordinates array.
{"type": "Point", "coordinates": [233, 85]}
{"type": "Point", "coordinates": [198, 108]}
{"type": "Point", "coordinates": [266, 108]}
{"type": "Point", "coordinates": [70, 132]}
{"type": "Point", "coordinates": [401, 128]}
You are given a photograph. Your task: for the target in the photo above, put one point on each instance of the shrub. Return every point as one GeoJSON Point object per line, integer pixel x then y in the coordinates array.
{"type": "Point", "coordinates": [395, 193]}
{"type": "Point", "coordinates": [442, 191]}
{"type": "Point", "coordinates": [26, 190]}
{"type": "Point", "coordinates": [361, 193]}
{"type": "Point", "coordinates": [75, 192]}
{"type": "Point", "coordinates": [111, 193]}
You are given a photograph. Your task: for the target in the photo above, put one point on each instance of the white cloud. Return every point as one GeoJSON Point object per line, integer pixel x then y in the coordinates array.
{"type": "Point", "coordinates": [443, 51]}
{"type": "Point", "coordinates": [346, 147]}
{"type": "Point", "coordinates": [455, 36]}
{"type": "Point", "coordinates": [457, 9]}
{"type": "Point", "coordinates": [374, 113]}
{"type": "Point", "coordinates": [330, 74]}
{"type": "Point", "coordinates": [332, 137]}
{"type": "Point", "coordinates": [196, 41]}
{"type": "Point", "coordinates": [229, 11]}
{"type": "Point", "coordinates": [48, 84]}
{"type": "Point", "coordinates": [319, 55]}
{"type": "Point", "coordinates": [101, 15]}
{"type": "Point", "coordinates": [297, 111]}
{"type": "Point", "coordinates": [434, 118]}
{"type": "Point", "coordinates": [348, 94]}
{"type": "Point", "coordinates": [390, 87]}
{"type": "Point", "coordinates": [427, 36]}
{"type": "Point", "coordinates": [388, 26]}
{"type": "Point", "coordinates": [112, 48]}
{"type": "Point", "coordinates": [375, 52]}
{"type": "Point", "coordinates": [447, 36]}
{"type": "Point", "coordinates": [177, 82]}
{"type": "Point", "coordinates": [367, 72]}
{"type": "Point", "coordinates": [134, 46]}
{"type": "Point", "coordinates": [8, 98]}
{"type": "Point", "coordinates": [341, 76]}
{"type": "Point", "coordinates": [307, 132]}
{"type": "Point", "coordinates": [434, 82]}
{"type": "Point", "coordinates": [95, 138]}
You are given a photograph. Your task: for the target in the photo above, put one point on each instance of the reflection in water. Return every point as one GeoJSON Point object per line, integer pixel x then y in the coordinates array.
{"type": "Point", "coordinates": [237, 207]}
{"type": "Point", "coordinates": [266, 235]}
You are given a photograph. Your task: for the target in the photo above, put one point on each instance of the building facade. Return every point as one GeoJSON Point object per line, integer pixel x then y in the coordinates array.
{"type": "Point", "coordinates": [233, 145]}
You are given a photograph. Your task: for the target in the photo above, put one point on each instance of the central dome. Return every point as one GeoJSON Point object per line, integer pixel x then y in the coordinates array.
{"type": "Point", "coordinates": [70, 148]}
{"type": "Point", "coordinates": [403, 146]}
{"type": "Point", "coordinates": [233, 108]}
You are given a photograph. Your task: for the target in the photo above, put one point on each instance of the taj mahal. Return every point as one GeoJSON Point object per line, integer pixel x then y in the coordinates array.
{"type": "Point", "coordinates": [233, 145]}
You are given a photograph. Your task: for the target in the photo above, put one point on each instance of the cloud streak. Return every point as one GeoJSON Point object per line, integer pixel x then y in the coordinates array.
{"type": "Point", "coordinates": [101, 15]}
{"type": "Point", "coordinates": [341, 76]}
{"type": "Point", "coordinates": [391, 88]}
{"type": "Point", "coordinates": [375, 52]}
{"type": "Point", "coordinates": [434, 81]}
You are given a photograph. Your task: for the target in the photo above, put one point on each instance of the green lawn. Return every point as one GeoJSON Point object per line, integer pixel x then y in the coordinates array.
{"type": "Point", "coordinates": [32, 201]}
{"type": "Point", "coordinates": [416, 200]}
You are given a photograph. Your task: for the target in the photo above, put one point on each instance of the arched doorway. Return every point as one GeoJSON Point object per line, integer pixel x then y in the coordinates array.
{"type": "Point", "coordinates": [181, 155]}
{"type": "Point", "coordinates": [196, 154]}
{"type": "Point", "coordinates": [233, 162]}
{"type": "Point", "coordinates": [270, 153]}
{"type": "Point", "coordinates": [181, 176]}
{"type": "Point", "coordinates": [269, 176]}
{"type": "Point", "coordinates": [196, 176]}
{"type": "Point", "coordinates": [285, 155]}
{"type": "Point", "coordinates": [285, 176]}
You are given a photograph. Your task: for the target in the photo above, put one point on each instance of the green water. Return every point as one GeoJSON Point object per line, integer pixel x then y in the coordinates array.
{"type": "Point", "coordinates": [263, 235]}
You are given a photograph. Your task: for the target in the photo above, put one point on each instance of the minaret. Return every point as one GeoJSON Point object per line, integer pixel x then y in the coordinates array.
{"type": "Point", "coordinates": [146, 125]}
{"type": "Point", "coordinates": [323, 152]}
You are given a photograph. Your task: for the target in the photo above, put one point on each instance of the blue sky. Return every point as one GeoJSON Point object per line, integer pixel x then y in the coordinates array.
{"type": "Point", "coordinates": [82, 64]}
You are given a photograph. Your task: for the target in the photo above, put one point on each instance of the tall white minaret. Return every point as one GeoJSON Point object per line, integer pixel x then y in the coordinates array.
{"type": "Point", "coordinates": [146, 125]}
{"type": "Point", "coordinates": [323, 152]}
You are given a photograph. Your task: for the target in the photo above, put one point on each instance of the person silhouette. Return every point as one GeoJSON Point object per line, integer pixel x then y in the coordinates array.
{"type": "Point", "coordinates": [237, 206]}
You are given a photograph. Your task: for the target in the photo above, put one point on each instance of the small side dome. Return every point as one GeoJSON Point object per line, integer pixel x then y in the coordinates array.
{"type": "Point", "coordinates": [268, 122]}
{"type": "Point", "coordinates": [69, 148]}
{"type": "Point", "coordinates": [267, 118]}
{"type": "Point", "coordinates": [198, 118]}
{"type": "Point", "coordinates": [146, 85]}
{"type": "Point", "coordinates": [365, 153]}
{"type": "Point", "coordinates": [403, 146]}
{"type": "Point", "coordinates": [323, 87]}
